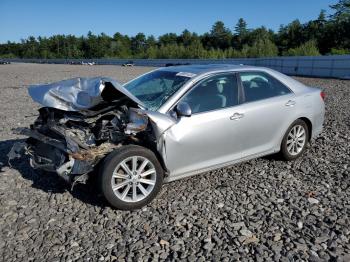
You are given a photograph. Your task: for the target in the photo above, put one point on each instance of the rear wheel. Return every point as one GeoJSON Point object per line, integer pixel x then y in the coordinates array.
{"type": "Point", "coordinates": [130, 177]}
{"type": "Point", "coordinates": [295, 140]}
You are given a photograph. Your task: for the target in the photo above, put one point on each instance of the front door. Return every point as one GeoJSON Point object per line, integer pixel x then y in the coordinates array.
{"type": "Point", "coordinates": [208, 137]}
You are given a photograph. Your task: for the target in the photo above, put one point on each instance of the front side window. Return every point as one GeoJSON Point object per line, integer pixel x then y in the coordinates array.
{"type": "Point", "coordinates": [155, 88]}
{"type": "Point", "coordinates": [259, 85]}
{"type": "Point", "coordinates": [214, 93]}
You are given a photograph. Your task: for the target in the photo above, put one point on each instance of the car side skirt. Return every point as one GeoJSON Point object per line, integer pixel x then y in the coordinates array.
{"type": "Point", "coordinates": [171, 178]}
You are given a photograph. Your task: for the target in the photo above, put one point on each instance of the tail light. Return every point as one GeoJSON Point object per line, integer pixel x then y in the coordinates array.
{"type": "Point", "coordinates": [323, 95]}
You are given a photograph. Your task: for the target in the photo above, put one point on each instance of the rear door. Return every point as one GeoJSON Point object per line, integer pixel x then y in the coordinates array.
{"type": "Point", "coordinates": [268, 108]}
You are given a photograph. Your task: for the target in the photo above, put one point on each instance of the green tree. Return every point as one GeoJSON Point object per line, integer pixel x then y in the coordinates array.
{"type": "Point", "coordinates": [336, 51]}
{"type": "Point", "coordinates": [138, 44]}
{"type": "Point", "coordinates": [220, 36]}
{"type": "Point", "coordinates": [167, 39]}
{"type": "Point", "coordinates": [187, 38]}
{"type": "Point", "coordinates": [31, 48]}
{"type": "Point", "coordinates": [307, 49]}
{"type": "Point", "coordinates": [290, 36]}
{"type": "Point", "coordinates": [262, 47]}
{"type": "Point", "coordinates": [327, 34]}
{"type": "Point", "coordinates": [121, 46]}
{"type": "Point", "coordinates": [195, 50]}
{"type": "Point", "coordinates": [151, 41]}
{"type": "Point", "coordinates": [240, 34]}
{"type": "Point", "coordinates": [241, 28]}
{"type": "Point", "coordinates": [339, 26]}
{"type": "Point", "coordinates": [341, 10]}
{"type": "Point", "coordinates": [151, 52]}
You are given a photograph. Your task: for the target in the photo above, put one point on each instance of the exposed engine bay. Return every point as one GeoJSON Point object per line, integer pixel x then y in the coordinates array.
{"type": "Point", "coordinates": [81, 122]}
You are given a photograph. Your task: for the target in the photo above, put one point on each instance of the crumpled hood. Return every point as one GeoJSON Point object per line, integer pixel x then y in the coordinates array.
{"type": "Point", "coordinates": [79, 93]}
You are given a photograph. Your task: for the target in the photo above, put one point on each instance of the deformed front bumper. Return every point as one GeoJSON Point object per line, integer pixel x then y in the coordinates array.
{"type": "Point", "coordinates": [53, 155]}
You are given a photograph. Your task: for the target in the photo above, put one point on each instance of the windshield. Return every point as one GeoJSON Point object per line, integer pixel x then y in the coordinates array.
{"type": "Point", "coordinates": [155, 88]}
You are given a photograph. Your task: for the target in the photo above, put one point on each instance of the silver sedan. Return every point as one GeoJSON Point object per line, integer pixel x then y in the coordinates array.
{"type": "Point", "coordinates": [169, 124]}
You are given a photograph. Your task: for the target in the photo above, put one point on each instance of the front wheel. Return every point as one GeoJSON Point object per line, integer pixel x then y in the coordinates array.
{"type": "Point", "coordinates": [295, 140]}
{"type": "Point", "coordinates": [130, 177]}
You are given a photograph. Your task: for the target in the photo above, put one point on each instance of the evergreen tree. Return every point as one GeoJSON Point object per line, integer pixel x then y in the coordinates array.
{"type": "Point", "coordinates": [241, 32]}
{"type": "Point", "coordinates": [341, 10]}
{"type": "Point", "coordinates": [241, 27]}
{"type": "Point", "coordinates": [327, 34]}
{"type": "Point", "coordinates": [220, 36]}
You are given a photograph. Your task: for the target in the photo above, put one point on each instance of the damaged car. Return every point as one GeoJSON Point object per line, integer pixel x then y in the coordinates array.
{"type": "Point", "coordinates": [167, 124]}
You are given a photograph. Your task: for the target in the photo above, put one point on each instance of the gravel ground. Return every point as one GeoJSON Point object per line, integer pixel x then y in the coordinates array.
{"type": "Point", "coordinates": [264, 209]}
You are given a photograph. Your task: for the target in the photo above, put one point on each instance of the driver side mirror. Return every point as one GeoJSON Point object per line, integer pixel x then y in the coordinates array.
{"type": "Point", "coordinates": [183, 109]}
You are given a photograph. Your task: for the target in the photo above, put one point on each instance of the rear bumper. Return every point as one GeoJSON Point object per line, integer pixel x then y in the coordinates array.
{"type": "Point", "coordinates": [317, 131]}
{"type": "Point", "coordinates": [318, 120]}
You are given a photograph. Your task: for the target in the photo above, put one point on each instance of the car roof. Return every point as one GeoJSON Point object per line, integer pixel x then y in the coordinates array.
{"type": "Point", "coordinates": [199, 69]}
{"type": "Point", "coordinates": [207, 68]}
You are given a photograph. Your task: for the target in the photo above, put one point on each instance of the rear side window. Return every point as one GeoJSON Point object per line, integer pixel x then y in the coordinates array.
{"type": "Point", "coordinates": [259, 85]}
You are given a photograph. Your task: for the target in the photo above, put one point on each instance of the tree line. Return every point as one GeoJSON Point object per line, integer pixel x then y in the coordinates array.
{"type": "Point", "coordinates": [328, 34]}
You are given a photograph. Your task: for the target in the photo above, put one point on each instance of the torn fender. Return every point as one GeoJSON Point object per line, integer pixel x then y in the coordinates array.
{"type": "Point", "coordinates": [160, 122]}
{"type": "Point", "coordinates": [139, 119]}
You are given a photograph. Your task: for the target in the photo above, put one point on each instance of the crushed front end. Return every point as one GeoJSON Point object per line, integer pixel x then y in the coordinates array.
{"type": "Point", "coordinates": [71, 141]}
{"type": "Point", "coordinates": [71, 144]}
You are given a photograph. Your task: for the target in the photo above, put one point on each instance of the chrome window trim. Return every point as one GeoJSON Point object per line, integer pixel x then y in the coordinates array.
{"type": "Point", "coordinates": [263, 99]}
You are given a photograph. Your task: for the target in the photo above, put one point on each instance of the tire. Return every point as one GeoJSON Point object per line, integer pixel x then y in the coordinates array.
{"type": "Point", "coordinates": [133, 187]}
{"type": "Point", "coordinates": [289, 151]}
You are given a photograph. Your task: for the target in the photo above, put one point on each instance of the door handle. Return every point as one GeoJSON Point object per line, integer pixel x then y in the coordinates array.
{"type": "Point", "coordinates": [290, 103]}
{"type": "Point", "coordinates": [236, 116]}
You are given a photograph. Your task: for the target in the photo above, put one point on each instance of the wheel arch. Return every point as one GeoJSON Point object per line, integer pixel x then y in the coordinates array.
{"type": "Point", "coordinates": [160, 159]}
{"type": "Point", "coordinates": [309, 125]}
{"type": "Point", "coordinates": [153, 147]}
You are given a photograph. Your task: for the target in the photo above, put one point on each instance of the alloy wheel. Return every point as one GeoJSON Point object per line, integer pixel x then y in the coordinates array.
{"type": "Point", "coordinates": [296, 140]}
{"type": "Point", "coordinates": [133, 179]}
